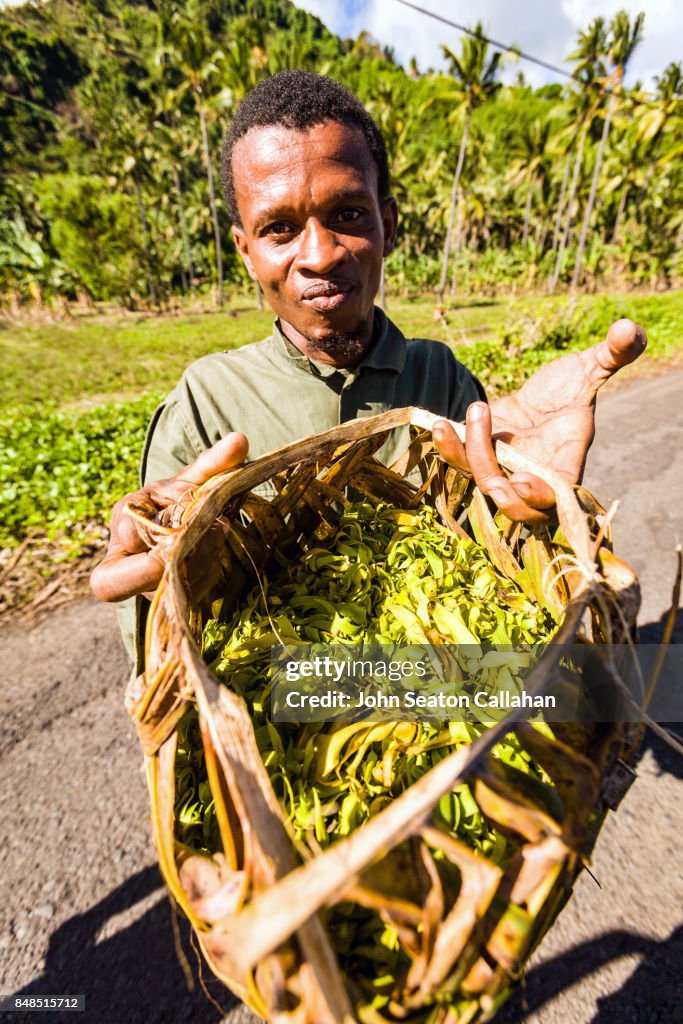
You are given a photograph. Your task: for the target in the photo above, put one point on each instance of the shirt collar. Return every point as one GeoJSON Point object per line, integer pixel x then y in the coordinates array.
{"type": "Point", "coordinates": [388, 351]}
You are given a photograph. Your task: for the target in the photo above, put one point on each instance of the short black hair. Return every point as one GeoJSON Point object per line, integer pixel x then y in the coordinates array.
{"type": "Point", "coordinates": [300, 100]}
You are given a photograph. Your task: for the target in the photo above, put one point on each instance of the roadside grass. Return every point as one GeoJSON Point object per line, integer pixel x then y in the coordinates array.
{"type": "Point", "coordinates": [121, 355]}
{"type": "Point", "coordinates": [77, 395]}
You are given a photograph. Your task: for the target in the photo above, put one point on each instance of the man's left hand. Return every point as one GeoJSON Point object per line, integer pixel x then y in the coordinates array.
{"type": "Point", "coordinates": [551, 418]}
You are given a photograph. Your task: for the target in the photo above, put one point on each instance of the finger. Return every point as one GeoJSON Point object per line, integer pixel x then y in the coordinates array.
{"type": "Point", "coordinates": [230, 451]}
{"type": "Point", "coordinates": [511, 503]}
{"type": "Point", "coordinates": [625, 341]}
{"type": "Point", "coordinates": [227, 453]}
{"type": "Point", "coordinates": [534, 491]}
{"type": "Point", "coordinates": [479, 446]}
{"type": "Point", "coordinates": [487, 473]}
{"type": "Point", "coordinates": [125, 534]}
{"type": "Point", "coordinates": [129, 568]}
{"type": "Point", "coordinates": [450, 447]}
{"type": "Point", "coordinates": [123, 575]}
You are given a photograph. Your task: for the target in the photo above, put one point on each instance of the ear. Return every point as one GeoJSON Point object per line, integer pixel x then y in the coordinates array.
{"type": "Point", "coordinates": [242, 245]}
{"type": "Point", "coordinates": [389, 223]}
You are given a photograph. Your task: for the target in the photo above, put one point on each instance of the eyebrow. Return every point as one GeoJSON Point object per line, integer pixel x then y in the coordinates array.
{"type": "Point", "coordinates": [271, 213]}
{"type": "Point", "coordinates": [352, 195]}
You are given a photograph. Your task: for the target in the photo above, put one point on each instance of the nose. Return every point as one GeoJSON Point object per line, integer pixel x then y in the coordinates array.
{"type": "Point", "coordinates": [320, 249]}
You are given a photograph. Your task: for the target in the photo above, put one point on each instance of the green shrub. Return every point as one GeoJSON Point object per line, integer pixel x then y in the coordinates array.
{"type": "Point", "coordinates": [61, 469]}
{"type": "Point", "coordinates": [93, 231]}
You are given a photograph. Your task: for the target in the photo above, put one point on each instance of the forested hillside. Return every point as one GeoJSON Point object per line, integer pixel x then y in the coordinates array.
{"type": "Point", "coordinates": [112, 113]}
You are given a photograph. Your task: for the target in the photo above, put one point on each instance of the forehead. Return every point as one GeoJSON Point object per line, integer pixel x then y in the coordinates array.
{"type": "Point", "coordinates": [273, 165]}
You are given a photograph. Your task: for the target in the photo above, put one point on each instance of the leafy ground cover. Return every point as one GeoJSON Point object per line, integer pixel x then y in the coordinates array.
{"type": "Point", "coordinates": [60, 469]}
{"type": "Point", "coordinates": [78, 395]}
{"type": "Point", "coordinates": [60, 473]}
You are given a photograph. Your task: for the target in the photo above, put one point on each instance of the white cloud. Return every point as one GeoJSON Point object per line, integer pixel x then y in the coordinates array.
{"type": "Point", "coordinates": [338, 17]}
{"type": "Point", "coordinates": [544, 28]}
{"type": "Point", "coordinates": [510, 24]}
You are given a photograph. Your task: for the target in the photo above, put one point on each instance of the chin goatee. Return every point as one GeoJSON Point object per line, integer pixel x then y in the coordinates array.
{"type": "Point", "coordinates": [349, 346]}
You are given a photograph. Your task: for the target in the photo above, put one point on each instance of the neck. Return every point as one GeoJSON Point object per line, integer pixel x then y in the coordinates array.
{"type": "Point", "coordinates": [341, 349]}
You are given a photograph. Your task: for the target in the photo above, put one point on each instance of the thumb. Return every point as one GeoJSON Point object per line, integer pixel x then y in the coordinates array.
{"type": "Point", "coordinates": [230, 451]}
{"type": "Point", "coordinates": [625, 341]}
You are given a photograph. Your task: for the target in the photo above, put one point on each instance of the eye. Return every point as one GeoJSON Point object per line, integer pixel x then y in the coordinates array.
{"type": "Point", "coordinates": [279, 227]}
{"type": "Point", "coordinates": [349, 214]}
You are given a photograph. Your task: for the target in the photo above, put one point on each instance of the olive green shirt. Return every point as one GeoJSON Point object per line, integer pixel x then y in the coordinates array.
{"type": "Point", "coordinates": [274, 394]}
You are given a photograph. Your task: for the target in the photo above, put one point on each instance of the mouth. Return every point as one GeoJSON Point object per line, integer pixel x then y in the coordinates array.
{"type": "Point", "coordinates": [326, 295]}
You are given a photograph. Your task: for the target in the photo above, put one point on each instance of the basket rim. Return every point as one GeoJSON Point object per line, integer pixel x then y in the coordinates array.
{"type": "Point", "coordinates": [173, 545]}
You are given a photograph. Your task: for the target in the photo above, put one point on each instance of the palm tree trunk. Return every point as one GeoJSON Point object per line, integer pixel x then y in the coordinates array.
{"type": "Point", "coordinates": [212, 202]}
{"type": "Point", "coordinates": [560, 202]}
{"type": "Point", "coordinates": [591, 197]}
{"type": "Point", "coordinates": [678, 244]}
{"type": "Point", "coordinates": [183, 228]}
{"type": "Point", "coordinates": [541, 232]}
{"type": "Point", "coordinates": [259, 297]}
{"type": "Point", "coordinates": [145, 240]}
{"type": "Point", "coordinates": [458, 244]}
{"type": "Point", "coordinates": [649, 175]}
{"type": "Point", "coordinates": [527, 216]}
{"type": "Point", "coordinates": [451, 212]}
{"type": "Point", "coordinates": [620, 211]}
{"type": "Point", "coordinates": [570, 203]}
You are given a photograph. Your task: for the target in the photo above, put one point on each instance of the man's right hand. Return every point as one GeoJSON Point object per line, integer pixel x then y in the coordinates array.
{"type": "Point", "coordinates": [129, 567]}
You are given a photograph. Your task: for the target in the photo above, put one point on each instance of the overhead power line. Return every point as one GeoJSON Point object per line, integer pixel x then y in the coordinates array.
{"type": "Point", "coordinates": [493, 42]}
{"type": "Point", "coordinates": [572, 76]}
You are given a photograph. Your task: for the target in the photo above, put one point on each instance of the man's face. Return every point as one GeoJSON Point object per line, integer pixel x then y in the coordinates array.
{"type": "Point", "coordinates": [314, 232]}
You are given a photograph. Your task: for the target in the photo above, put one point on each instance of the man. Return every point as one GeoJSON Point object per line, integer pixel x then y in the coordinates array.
{"type": "Point", "coordinates": [306, 183]}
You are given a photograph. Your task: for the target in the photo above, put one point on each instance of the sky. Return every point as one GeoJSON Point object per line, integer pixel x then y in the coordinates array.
{"type": "Point", "coordinates": [544, 28]}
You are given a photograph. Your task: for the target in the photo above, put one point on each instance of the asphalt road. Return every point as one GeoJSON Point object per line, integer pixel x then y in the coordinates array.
{"type": "Point", "coordinates": [82, 908]}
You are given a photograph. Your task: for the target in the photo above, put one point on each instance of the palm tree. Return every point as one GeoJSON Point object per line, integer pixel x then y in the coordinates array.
{"type": "Point", "coordinates": [287, 52]}
{"type": "Point", "coordinates": [188, 50]}
{"type": "Point", "coordinates": [245, 60]}
{"type": "Point", "coordinates": [473, 80]}
{"type": "Point", "coordinates": [560, 150]}
{"type": "Point", "coordinates": [459, 218]}
{"type": "Point", "coordinates": [170, 148]}
{"type": "Point", "coordinates": [624, 172]}
{"type": "Point", "coordinates": [531, 165]}
{"type": "Point", "coordinates": [624, 40]}
{"type": "Point", "coordinates": [589, 54]}
{"type": "Point", "coordinates": [560, 202]}
{"type": "Point", "coordinates": [396, 131]}
{"type": "Point", "coordinates": [655, 120]}
{"type": "Point", "coordinates": [130, 166]}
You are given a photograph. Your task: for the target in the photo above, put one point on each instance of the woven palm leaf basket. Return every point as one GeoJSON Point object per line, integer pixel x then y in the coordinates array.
{"type": "Point", "coordinates": [289, 926]}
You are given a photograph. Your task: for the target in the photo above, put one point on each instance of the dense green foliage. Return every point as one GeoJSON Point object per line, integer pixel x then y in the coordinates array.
{"type": "Point", "coordinates": [104, 191]}
{"type": "Point", "coordinates": [537, 336]}
{"type": "Point", "coordinates": [60, 470]}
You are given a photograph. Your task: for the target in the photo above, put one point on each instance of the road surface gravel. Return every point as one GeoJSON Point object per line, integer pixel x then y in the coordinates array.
{"type": "Point", "coordinates": [82, 907]}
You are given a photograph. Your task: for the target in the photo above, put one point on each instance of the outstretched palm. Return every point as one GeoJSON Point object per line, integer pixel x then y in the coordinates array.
{"type": "Point", "coordinates": [551, 419]}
